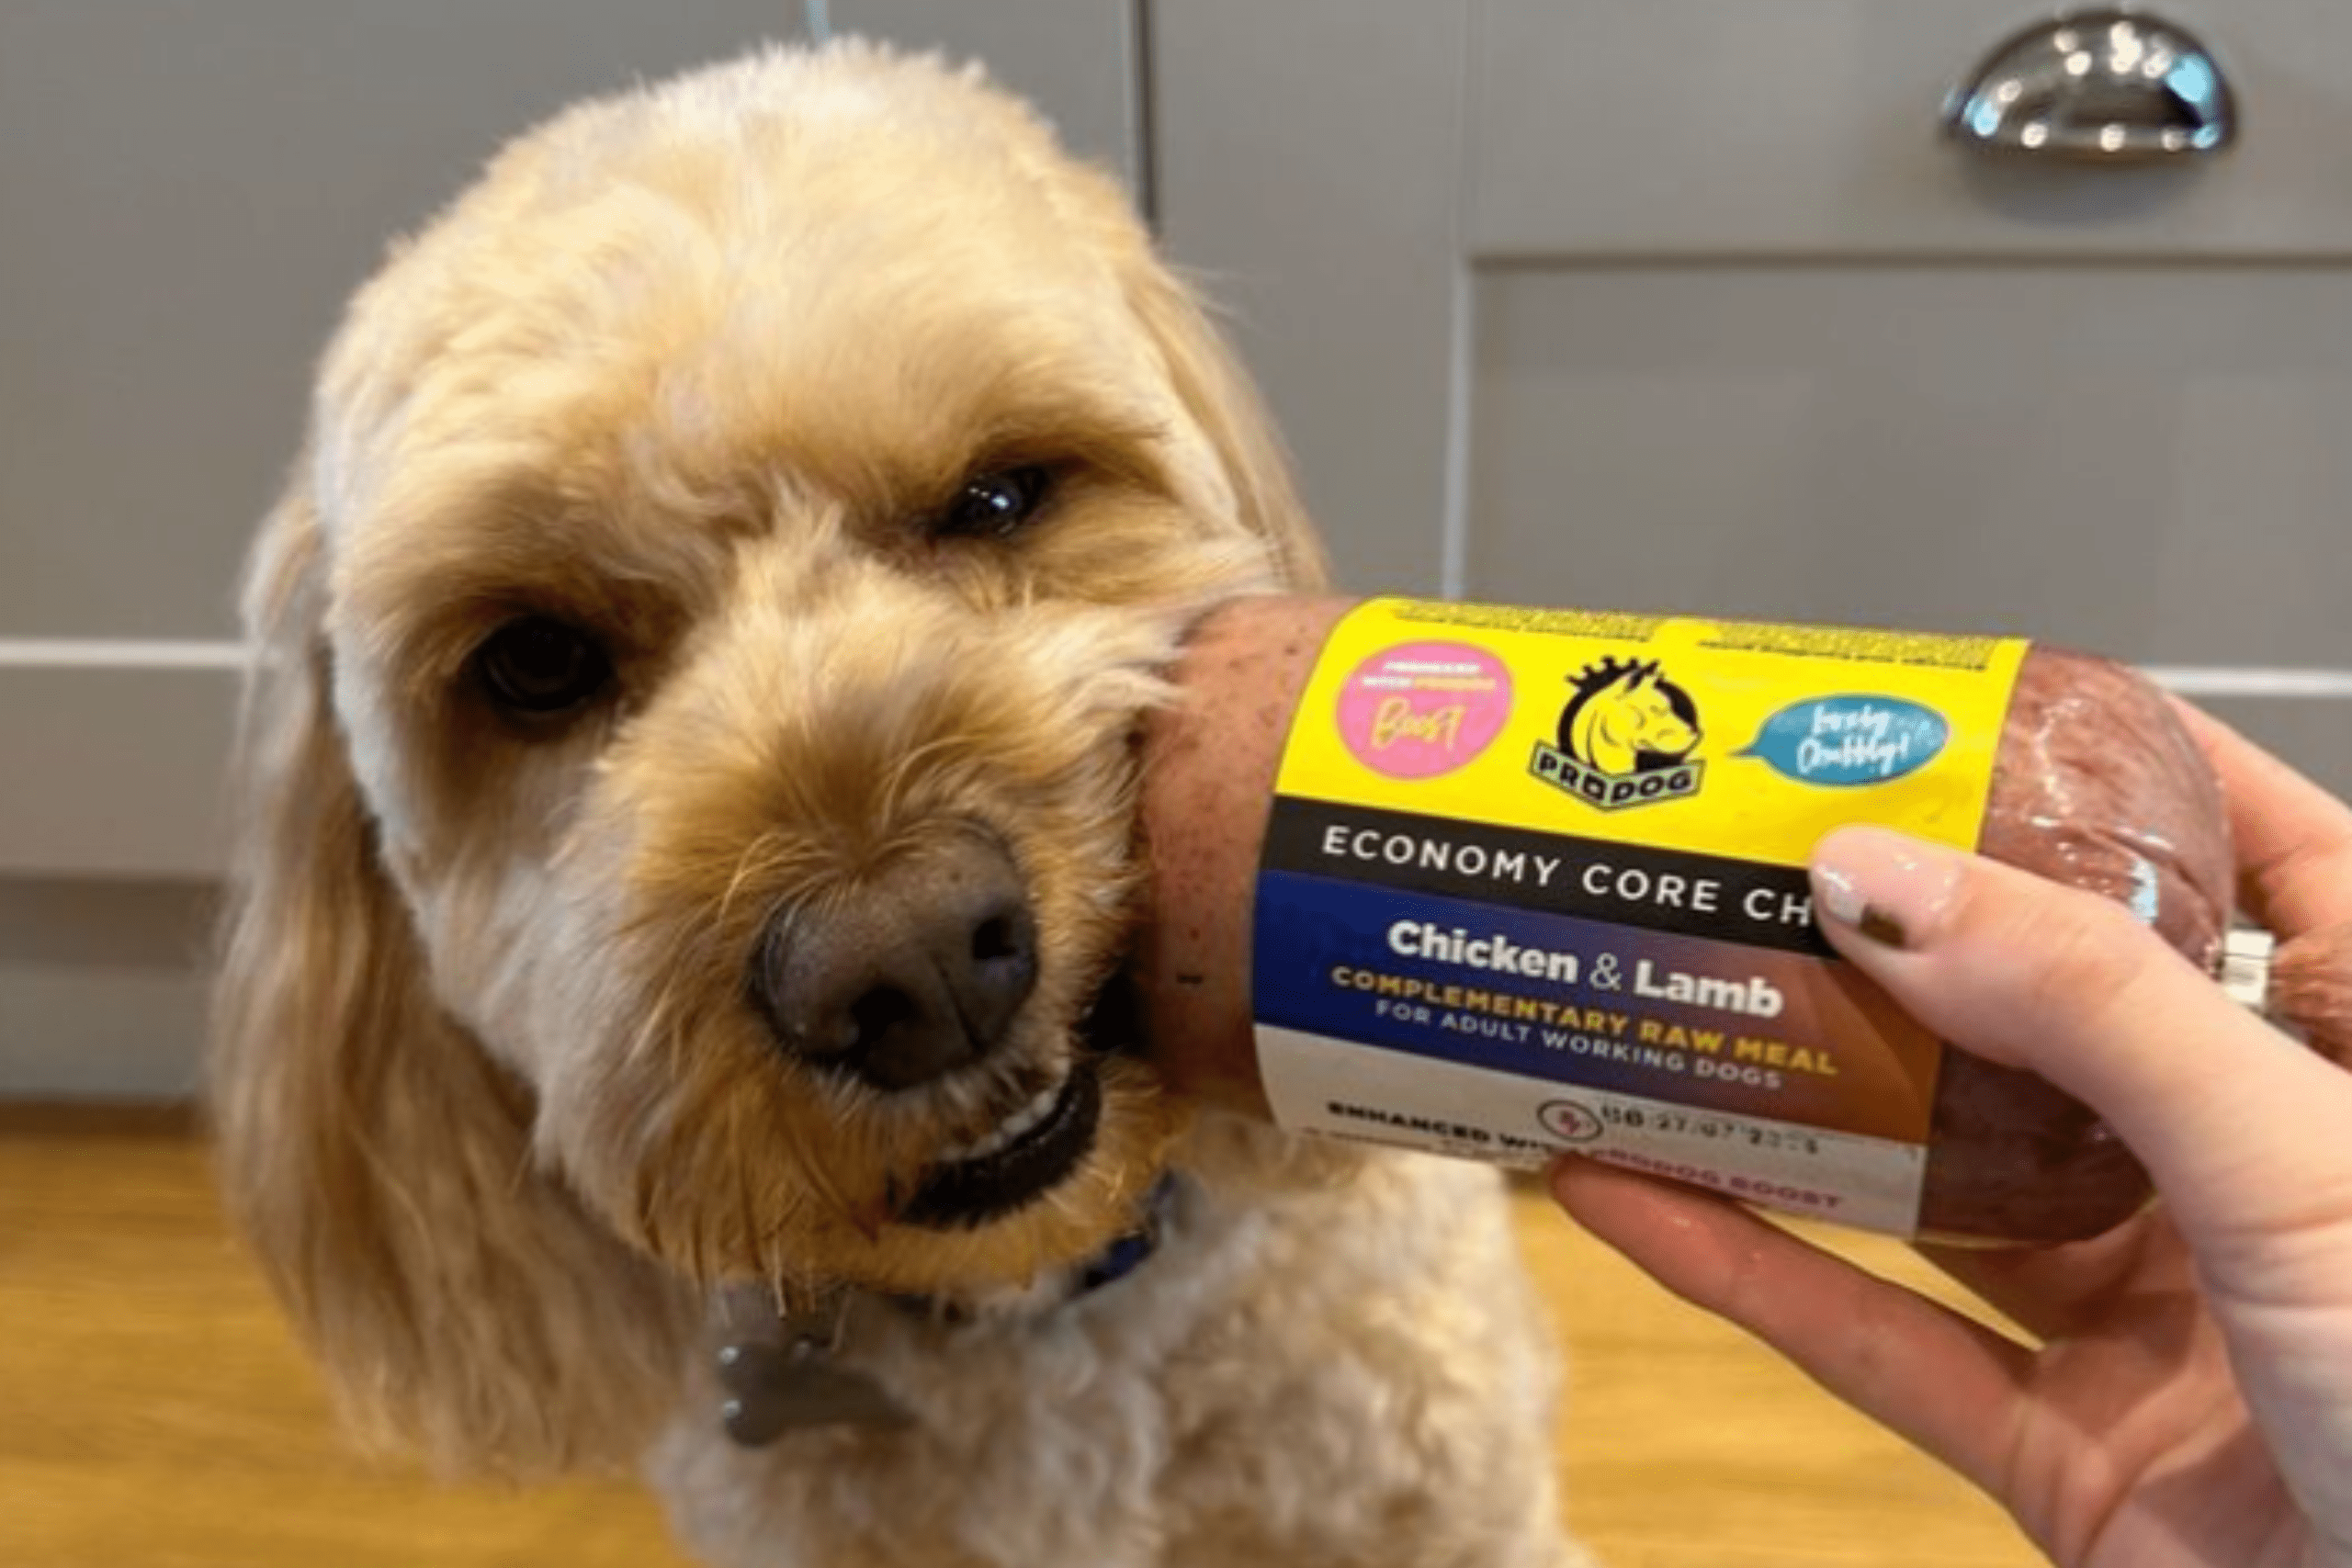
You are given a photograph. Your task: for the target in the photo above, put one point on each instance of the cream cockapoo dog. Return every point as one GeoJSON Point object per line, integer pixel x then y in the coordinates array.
{"type": "Point", "coordinates": [689, 784]}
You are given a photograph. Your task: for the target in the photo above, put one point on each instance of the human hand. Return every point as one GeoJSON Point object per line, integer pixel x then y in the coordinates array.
{"type": "Point", "coordinates": [2185, 1397]}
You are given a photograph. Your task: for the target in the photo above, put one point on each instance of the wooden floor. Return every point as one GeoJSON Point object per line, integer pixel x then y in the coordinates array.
{"type": "Point", "coordinates": [153, 1415]}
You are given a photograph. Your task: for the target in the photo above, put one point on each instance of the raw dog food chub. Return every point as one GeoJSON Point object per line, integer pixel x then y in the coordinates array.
{"type": "Point", "coordinates": [1503, 882]}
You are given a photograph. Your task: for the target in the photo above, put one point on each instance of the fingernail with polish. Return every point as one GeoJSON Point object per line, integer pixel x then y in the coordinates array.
{"type": "Point", "coordinates": [1893, 889]}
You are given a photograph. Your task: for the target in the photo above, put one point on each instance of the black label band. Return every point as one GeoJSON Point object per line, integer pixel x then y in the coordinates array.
{"type": "Point", "coordinates": [1666, 890]}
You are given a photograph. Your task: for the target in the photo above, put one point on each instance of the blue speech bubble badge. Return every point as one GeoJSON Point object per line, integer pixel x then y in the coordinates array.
{"type": "Point", "coordinates": [1849, 740]}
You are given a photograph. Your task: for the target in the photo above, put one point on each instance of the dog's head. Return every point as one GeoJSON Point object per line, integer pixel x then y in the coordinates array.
{"type": "Point", "coordinates": [688, 770]}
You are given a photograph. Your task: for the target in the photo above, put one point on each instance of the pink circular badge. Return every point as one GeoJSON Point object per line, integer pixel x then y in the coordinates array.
{"type": "Point", "coordinates": [1421, 709]}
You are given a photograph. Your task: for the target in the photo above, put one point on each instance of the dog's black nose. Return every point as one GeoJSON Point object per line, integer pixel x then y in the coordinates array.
{"type": "Point", "coordinates": [916, 972]}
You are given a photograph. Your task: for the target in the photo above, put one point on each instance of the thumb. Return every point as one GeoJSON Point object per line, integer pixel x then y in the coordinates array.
{"type": "Point", "coordinates": [2239, 1126]}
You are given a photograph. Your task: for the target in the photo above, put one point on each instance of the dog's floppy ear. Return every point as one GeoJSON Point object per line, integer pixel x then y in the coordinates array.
{"type": "Point", "coordinates": [377, 1160]}
{"type": "Point", "coordinates": [1224, 401]}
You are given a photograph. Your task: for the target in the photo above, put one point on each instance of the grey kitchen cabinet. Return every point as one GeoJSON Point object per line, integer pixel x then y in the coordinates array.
{"type": "Point", "coordinates": [1689, 306]}
{"type": "Point", "coordinates": [1682, 304]}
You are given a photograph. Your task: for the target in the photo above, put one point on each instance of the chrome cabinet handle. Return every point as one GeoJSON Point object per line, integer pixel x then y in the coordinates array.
{"type": "Point", "coordinates": [2104, 86]}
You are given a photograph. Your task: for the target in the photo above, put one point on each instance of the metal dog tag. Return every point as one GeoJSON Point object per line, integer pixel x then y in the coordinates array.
{"type": "Point", "coordinates": [774, 1388]}
{"type": "Point", "coordinates": [780, 1375]}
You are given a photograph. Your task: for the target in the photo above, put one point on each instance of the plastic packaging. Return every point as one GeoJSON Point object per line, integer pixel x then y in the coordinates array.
{"type": "Point", "coordinates": [1319, 955]}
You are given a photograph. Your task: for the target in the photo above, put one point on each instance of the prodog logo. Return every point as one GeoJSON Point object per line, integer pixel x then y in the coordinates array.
{"type": "Point", "coordinates": [1625, 738]}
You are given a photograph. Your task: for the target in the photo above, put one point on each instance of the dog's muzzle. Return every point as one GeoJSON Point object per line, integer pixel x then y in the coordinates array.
{"type": "Point", "coordinates": [916, 972]}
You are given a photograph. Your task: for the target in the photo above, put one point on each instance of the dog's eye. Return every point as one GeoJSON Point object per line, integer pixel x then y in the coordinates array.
{"type": "Point", "coordinates": [993, 506]}
{"type": "Point", "coordinates": [538, 666]}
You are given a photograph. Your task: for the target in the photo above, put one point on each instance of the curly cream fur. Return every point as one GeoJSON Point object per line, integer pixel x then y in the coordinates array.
{"type": "Point", "coordinates": [689, 367]}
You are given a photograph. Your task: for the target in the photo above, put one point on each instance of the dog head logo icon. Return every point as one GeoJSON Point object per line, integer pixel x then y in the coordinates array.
{"type": "Point", "coordinates": [1625, 738]}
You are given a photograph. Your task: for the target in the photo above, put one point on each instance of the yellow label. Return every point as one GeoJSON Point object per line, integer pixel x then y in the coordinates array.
{"type": "Point", "coordinates": [1713, 737]}
{"type": "Point", "coordinates": [1533, 881]}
